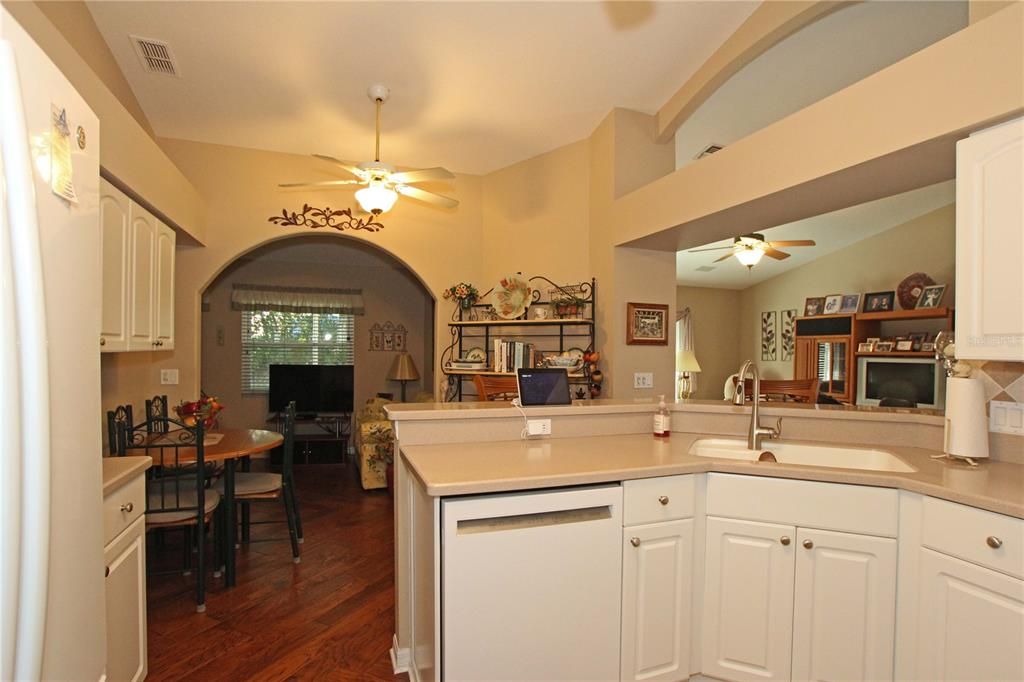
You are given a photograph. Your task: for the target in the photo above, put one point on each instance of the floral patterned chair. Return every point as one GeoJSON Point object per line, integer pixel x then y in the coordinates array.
{"type": "Point", "coordinates": [374, 441]}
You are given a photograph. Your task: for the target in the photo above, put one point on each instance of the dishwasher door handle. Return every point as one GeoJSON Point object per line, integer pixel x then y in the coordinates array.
{"type": "Point", "coordinates": [494, 524]}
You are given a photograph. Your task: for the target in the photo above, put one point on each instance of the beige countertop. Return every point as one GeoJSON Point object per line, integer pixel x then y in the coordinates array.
{"type": "Point", "coordinates": [119, 470]}
{"type": "Point", "coordinates": [499, 466]}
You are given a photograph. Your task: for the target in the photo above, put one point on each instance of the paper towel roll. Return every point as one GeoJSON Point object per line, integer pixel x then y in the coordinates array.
{"type": "Point", "coordinates": [966, 422]}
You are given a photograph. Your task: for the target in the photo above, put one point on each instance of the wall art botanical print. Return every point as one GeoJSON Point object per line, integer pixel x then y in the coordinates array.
{"type": "Point", "coordinates": [788, 333]}
{"type": "Point", "coordinates": [388, 336]}
{"type": "Point", "coordinates": [768, 335]}
{"type": "Point", "coordinates": [646, 324]}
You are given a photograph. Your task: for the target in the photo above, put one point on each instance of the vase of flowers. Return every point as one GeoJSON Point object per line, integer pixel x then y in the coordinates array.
{"type": "Point", "coordinates": [205, 409]}
{"type": "Point", "coordinates": [464, 294]}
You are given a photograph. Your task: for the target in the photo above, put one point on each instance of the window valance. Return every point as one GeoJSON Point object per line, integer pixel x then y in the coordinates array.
{"type": "Point", "coordinates": [297, 299]}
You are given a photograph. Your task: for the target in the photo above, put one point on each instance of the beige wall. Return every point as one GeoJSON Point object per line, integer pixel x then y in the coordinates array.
{"type": "Point", "coordinates": [879, 263]}
{"type": "Point", "coordinates": [390, 293]}
{"type": "Point", "coordinates": [716, 335]}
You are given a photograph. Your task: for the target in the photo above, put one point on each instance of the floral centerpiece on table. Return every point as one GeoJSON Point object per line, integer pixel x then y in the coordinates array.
{"type": "Point", "coordinates": [463, 293]}
{"type": "Point", "coordinates": [205, 409]}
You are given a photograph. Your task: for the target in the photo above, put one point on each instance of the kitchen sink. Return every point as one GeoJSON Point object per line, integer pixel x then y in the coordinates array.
{"type": "Point", "coordinates": [838, 456]}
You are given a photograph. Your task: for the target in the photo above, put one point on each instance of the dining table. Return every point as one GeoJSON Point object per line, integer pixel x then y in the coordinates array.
{"type": "Point", "coordinates": [228, 446]}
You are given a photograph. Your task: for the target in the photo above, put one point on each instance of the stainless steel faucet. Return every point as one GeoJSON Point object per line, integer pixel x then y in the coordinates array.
{"type": "Point", "coordinates": [756, 431]}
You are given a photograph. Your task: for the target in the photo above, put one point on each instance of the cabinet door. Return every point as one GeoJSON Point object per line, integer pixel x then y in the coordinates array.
{"type": "Point", "coordinates": [656, 584]}
{"type": "Point", "coordinates": [844, 607]}
{"type": "Point", "coordinates": [990, 244]}
{"type": "Point", "coordinates": [971, 621]}
{"type": "Point", "coordinates": [163, 289]}
{"type": "Point", "coordinates": [804, 363]}
{"type": "Point", "coordinates": [142, 230]}
{"type": "Point", "coordinates": [748, 600]}
{"type": "Point", "coordinates": [115, 247]}
{"type": "Point", "coordinates": [125, 559]}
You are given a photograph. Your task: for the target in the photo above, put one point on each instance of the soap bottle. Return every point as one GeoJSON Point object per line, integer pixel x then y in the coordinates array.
{"type": "Point", "coordinates": [662, 420]}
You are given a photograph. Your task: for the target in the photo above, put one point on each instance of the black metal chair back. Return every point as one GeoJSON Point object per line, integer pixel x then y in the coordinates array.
{"type": "Point", "coordinates": [121, 416]}
{"type": "Point", "coordinates": [288, 447]}
{"type": "Point", "coordinates": [156, 412]}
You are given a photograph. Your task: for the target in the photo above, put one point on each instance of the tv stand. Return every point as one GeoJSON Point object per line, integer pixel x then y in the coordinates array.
{"type": "Point", "coordinates": [331, 427]}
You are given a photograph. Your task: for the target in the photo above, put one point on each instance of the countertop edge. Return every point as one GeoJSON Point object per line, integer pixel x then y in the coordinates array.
{"type": "Point", "coordinates": [117, 471]}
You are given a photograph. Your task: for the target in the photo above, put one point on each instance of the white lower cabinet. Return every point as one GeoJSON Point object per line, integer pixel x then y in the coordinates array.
{"type": "Point", "coordinates": [844, 608]}
{"type": "Point", "coordinates": [656, 588]}
{"type": "Point", "coordinates": [125, 586]}
{"type": "Point", "coordinates": [748, 600]}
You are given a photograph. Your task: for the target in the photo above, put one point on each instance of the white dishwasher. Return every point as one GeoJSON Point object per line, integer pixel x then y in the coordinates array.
{"type": "Point", "coordinates": [531, 585]}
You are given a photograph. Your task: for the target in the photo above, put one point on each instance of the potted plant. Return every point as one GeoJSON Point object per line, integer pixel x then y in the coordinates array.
{"type": "Point", "coordinates": [463, 293]}
{"type": "Point", "coordinates": [569, 306]}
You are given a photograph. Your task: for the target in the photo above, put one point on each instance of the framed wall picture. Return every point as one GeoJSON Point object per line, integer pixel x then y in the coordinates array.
{"type": "Point", "coordinates": [879, 302]}
{"type": "Point", "coordinates": [833, 303]}
{"type": "Point", "coordinates": [814, 306]}
{"type": "Point", "coordinates": [768, 335]}
{"type": "Point", "coordinates": [931, 297]}
{"type": "Point", "coordinates": [850, 304]}
{"type": "Point", "coordinates": [788, 334]}
{"type": "Point", "coordinates": [646, 324]}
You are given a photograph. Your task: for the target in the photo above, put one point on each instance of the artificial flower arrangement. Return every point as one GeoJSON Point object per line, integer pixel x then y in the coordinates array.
{"type": "Point", "coordinates": [464, 293]}
{"type": "Point", "coordinates": [205, 409]}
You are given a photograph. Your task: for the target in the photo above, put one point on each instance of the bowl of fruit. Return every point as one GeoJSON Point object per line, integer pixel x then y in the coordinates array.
{"type": "Point", "coordinates": [205, 409]}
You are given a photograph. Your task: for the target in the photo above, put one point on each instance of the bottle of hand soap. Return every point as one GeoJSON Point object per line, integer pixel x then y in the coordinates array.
{"type": "Point", "coordinates": [662, 420]}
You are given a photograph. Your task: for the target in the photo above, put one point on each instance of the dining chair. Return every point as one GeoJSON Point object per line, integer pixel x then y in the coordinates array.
{"type": "Point", "coordinates": [122, 414]}
{"type": "Point", "coordinates": [253, 487]}
{"type": "Point", "coordinates": [795, 390]}
{"type": "Point", "coordinates": [495, 388]}
{"type": "Point", "coordinates": [156, 407]}
{"type": "Point", "coordinates": [176, 490]}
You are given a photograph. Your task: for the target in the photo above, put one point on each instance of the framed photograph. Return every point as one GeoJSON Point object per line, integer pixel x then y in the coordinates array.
{"type": "Point", "coordinates": [904, 345]}
{"type": "Point", "coordinates": [928, 346]}
{"type": "Point", "coordinates": [879, 302]}
{"type": "Point", "coordinates": [865, 347]}
{"type": "Point", "coordinates": [814, 306]}
{"type": "Point", "coordinates": [918, 338]}
{"type": "Point", "coordinates": [850, 304]}
{"type": "Point", "coordinates": [931, 297]}
{"type": "Point", "coordinates": [873, 339]}
{"type": "Point", "coordinates": [883, 347]}
{"type": "Point", "coordinates": [646, 324]}
{"type": "Point", "coordinates": [833, 303]}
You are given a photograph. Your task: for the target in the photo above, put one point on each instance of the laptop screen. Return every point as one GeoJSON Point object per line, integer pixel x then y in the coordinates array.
{"type": "Point", "coordinates": [543, 386]}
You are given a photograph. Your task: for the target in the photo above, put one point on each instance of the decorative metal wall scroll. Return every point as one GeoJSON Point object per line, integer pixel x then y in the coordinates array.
{"type": "Point", "coordinates": [768, 335]}
{"type": "Point", "coordinates": [388, 337]}
{"type": "Point", "coordinates": [316, 218]}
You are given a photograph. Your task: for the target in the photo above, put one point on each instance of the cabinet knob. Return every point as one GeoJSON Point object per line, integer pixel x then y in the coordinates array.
{"type": "Point", "coordinates": [634, 541]}
{"type": "Point", "coordinates": [106, 571]}
{"type": "Point", "coordinates": [103, 341]}
{"type": "Point", "coordinates": [663, 499]}
{"type": "Point", "coordinates": [808, 544]}
{"type": "Point", "coordinates": [784, 540]}
{"type": "Point", "coordinates": [127, 507]}
{"type": "Point", "coordinates": [993, 542]}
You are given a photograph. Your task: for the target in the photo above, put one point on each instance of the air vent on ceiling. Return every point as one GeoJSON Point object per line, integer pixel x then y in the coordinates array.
{"type": "Point", "coordinates": [709, 150]}
{"type": "Point", "coordinates": [705, 268]}
{"type": "Point", "coordinates": [155, 55]}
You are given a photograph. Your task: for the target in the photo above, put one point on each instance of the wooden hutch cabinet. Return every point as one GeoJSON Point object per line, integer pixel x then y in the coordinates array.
{"type": "Point", "coordinates": [824, 350]}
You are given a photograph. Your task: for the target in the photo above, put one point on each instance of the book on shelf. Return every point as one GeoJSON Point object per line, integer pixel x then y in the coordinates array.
{"type": "Point", "coordinates": [511, 355]}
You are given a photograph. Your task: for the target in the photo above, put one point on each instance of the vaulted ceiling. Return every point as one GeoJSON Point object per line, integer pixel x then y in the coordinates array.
{"type": "Point", "coordinates": [476, 86]}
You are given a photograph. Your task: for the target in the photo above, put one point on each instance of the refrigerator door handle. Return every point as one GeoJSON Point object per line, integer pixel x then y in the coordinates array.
{"type": "Point", "coordinates": [28, 572]}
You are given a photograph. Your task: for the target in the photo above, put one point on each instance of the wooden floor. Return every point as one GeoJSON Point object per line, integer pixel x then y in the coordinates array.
{"type": "Point", "coordinates": [330, 617]}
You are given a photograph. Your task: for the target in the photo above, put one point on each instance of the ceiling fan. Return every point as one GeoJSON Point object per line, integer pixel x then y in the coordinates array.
{"type": "Point", "coordinates": [749, 248]}
{"type": "Point", "coordinates": [382, 184]}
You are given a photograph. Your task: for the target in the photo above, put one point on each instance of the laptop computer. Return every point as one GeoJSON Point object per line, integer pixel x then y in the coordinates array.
{"type": "Point", "coordinates": [543, 386]}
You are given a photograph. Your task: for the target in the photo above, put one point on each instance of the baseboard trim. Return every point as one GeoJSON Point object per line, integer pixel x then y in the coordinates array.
{"type": "Point", "coordinates": [399, 658]}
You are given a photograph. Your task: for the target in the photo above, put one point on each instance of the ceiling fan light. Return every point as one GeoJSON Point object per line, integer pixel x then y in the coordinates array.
{"type": "Point", "coordinates": [748, 256]}
{"type": "Point", "coordinates": [376, 199]}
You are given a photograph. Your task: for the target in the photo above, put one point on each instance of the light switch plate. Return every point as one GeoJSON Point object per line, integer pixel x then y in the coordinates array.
{"type": "Point", "coordinates": [1005, 417]}
{"type": "Point", "coordinates": [169, 377]}
{"type": "Point", "coordinates": [643, 380]}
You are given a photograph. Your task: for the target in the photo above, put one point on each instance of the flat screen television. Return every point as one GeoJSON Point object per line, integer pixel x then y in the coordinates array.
{"type": "Point", "coordinates": [314, 388]}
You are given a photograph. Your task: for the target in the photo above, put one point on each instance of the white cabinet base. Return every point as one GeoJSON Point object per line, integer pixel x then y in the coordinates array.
{"type": "Point", "coordinates": [125, 587]}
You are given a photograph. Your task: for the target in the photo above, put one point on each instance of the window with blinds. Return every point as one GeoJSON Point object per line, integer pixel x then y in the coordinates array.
{"type": "Point", "coordinates": [271, 337]}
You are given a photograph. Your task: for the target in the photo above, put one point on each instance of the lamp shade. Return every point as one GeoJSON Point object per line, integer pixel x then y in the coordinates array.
{"type": "Point", "coordinates": [376, 198]}
{"type": "Point", "coordinates": [403, 369]}
{"type": "Point", "coordinates": [686, 361]}
{"type": "Point", "coordinates": [749, 256]}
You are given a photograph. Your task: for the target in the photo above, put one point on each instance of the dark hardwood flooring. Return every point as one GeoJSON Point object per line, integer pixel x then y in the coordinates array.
{"type": "Point", "coordinates": [330, 617]}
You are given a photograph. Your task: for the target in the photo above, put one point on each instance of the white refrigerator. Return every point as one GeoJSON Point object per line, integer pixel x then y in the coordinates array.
{"type": "Point", "coordinates": [51, 557]}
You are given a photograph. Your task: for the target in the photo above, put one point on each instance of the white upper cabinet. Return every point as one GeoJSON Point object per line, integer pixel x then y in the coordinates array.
{"type": "Point", "coordinates": [138, 276]}
{"type": "Point", "coordinates": [990, 244]}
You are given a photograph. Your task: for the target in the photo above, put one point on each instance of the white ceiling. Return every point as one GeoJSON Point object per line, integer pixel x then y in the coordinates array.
{"type": "Point", "coordinates": [831, 231]}
{"type": "Point", "coordinates": [476, 86]}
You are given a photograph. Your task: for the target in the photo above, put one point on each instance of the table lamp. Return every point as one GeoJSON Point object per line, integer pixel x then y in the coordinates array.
{"type": "Point", "coordinates": [403, 369]}
{"type": "Point", "coordinates": [686, 362]}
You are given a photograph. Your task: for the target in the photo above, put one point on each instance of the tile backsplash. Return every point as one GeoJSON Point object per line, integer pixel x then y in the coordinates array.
{"type": "Point", "coordinates": [1003, 380]}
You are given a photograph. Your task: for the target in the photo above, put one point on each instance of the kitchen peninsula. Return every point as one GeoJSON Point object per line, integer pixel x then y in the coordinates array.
{"type": "Point", "coordinates": [685, 552]}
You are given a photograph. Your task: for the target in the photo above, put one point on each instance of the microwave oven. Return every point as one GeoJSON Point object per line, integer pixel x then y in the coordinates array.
{"type": "Point", "coordinates": [919, 380]}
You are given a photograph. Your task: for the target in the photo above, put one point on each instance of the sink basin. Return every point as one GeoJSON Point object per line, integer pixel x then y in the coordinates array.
{"type": "Point", "coordinates": [838, 456]}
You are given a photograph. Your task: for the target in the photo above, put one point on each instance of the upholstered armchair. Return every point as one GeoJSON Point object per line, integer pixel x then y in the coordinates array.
{"type": "Point", "coordinates": [374, 441]}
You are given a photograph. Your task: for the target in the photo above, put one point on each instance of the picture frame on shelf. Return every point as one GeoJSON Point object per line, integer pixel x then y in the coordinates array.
{"type": "Point", "coordinates": [646, 324]}
{"type": "Point", "coordinates": [928, 347]}
{"type": "Point", "coordinates": [865, 347]}
{"type": "Point", "coordinates": [904, 345]}
{"type": "Point", "coordinates": [880, 302]}
{"type": "Point", "coordinates": [884, 347]}
{"type": "Point", "coordinates": [833, 303]}
{"type": "Point", "coordinates": [918, 339]}
{"type": "Point", "coordinates": [850, 303]}
{"type": "Point", "coordinates": [873, 339]}
{"type": "Point", "coordinates": [814, 306]}
{"type": "Point", "coordinates": [931, 297]}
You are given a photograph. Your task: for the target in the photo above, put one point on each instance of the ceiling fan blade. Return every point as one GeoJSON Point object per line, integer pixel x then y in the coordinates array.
{"type": "Point", "coordinates": [325, 183]}
{"type": "Point", "coordinates": [358, 172]}
{"type": "Point", "coordinates": [428, 197]}
{"type": "Point", "coordinates": [422, 175]}
{"type": "Point", "coordinates": [713, 248]}
{"type": "Point", "coordinates": [794, 242]}
{"type": "Point", "coordinates": [776, 254]}
{"type": "Point", "coordinates": [725, 257]}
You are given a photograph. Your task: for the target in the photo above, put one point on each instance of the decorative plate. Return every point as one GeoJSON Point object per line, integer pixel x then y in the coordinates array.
{"type": "Point", "coordinates": [576, 353]}
{"type": "Point", "coordinates": [512, 296]}
{"type": "Point", "coordinates": [475, 354]}
{"type": "Point", "coordinates": [911, 288]}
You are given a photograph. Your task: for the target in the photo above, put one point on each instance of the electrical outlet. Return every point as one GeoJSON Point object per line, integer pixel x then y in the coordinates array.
{"type": "Point", "coordinates": [169, 377]}
{"type": "Point", "coordinates": [1005, 417]}
{"type": "Point", "coordinates": [538, 427]}
{"type": "Point", "coordinates": [643, 380]}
